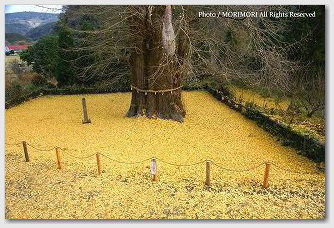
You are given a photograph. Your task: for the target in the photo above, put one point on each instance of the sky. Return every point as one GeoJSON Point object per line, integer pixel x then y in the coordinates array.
{"type": "Point", "coordinates": [34, 8]}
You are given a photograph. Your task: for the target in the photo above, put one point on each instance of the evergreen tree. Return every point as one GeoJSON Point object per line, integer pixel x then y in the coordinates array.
{"type": "Point", "coordinates": [65, 72]}
{"type": "Point", "coordinates": [43, 56]}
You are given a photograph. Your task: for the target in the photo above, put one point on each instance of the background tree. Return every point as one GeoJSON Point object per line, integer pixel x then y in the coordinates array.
{"type": "Point", "coordinates": [113, 42]}
{"type": "Point", "coordinates": [307, 37]}
{"type": "Point", "coordinates": [100, 52]}
{"type": "Point", "coordinates": [43, 56]}
{"type": "Point", "coordinates": [64, 71]}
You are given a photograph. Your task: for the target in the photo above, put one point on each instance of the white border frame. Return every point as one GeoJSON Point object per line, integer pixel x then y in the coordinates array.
{"type": "Point", "coordinates": [166, 223]}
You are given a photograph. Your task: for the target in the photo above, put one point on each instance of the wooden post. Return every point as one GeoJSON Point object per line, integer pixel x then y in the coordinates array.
{"type": "Point", "coordinates": [59, 162]}
{"type": "Point", "coordinates": [25, 149]}
{"type": "Point", "coordinates": [207, 171]}
{"type": "Point", "coordinates": [99, 166]}
{"type": "Point", "coordinates": [153, 169]}
{"type": "Point", "coordinates": [85, 113]}
{"type": "Point", "coordinates": [266, 175]}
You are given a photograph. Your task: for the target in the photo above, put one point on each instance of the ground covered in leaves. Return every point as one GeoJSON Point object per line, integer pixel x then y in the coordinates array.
{"type": "Point", "coordinates": [38, 190]}
{"type": "Point", "coordinates": [278, 109]}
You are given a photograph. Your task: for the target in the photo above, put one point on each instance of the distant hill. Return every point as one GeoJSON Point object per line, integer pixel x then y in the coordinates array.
{"type": "Point", "coordinates": [15, 38]}
{"type": "Point", "coordinates": [22, 22]}
{"type": "Point", "coordinates": [21, 29]}
{"type": "Point", "coordinates": [42, 30]}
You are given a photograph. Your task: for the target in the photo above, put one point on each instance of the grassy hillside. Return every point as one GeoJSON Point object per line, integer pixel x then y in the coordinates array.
{"type": "Point", "coordinates": [15, 38]}
{"type": "Point", "coordinates": [12, 58]}
{"type": "Point", "coordinates": [22, 22]}
{"type": "Point", "coordinates": [21, 29]}
{"type": "Point", "coordinates": [42, 30]}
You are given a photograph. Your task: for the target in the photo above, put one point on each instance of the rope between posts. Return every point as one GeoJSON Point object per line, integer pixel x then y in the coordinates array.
{"type": "Point", "coordinates": [123, 162]}
{"type": "Point", "coordinates": [169, 163]}
{"type": "Point", "coordinates": [180, 164]}
{"type": "Point", "coordinates": [40, 148]}
{"type": "Point", "coordinates": [154, 91]}
{"type": "Point", "coordinates": [65, 152]}
{"type": "Point", "coordinates": [238, 170]}
{"type": "Point", "coordinates": [13, 144]}
{"type": "Point", "coordinates": [292, 171]}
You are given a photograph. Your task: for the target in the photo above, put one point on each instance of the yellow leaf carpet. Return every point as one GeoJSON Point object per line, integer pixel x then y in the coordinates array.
{"type": "Point", "coordinates": [211, 131]}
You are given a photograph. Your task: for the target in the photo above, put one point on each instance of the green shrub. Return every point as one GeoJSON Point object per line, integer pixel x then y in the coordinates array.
{"type": "Point", "coordinates": [14, 92]}
{"type": "Point", "coordinates": [39, 80]}
{"type": "Point", "coordinates": [43, 56]}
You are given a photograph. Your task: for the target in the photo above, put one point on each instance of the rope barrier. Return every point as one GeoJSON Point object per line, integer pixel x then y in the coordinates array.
{"type": "Point", "coordinates": [129, 163]}
{"type": "Point", "coordinates": [180, 164]}
{"type": "Point", "coordinates": [173, 164]}
{"type": "Point", "coordinates": [40, 148]}
{"type": "Point", "coordinates": [154, 91]}
{"type": "Point", "coordinates": [292, 171]}
{"type": "Point", "coordinates": [65, 152]}
{"type": "Point", "coordinates": [13, 144]}
{"type": "Point", "coordinates": [238, 170]}
{"type": "Point", "coordinates": [84, 149]}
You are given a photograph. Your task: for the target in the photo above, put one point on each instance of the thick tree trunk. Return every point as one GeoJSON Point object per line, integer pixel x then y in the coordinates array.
{"type": "Point", "coordinates": [154, 64]}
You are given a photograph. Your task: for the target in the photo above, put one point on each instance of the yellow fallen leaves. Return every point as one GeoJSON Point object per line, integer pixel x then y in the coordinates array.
{"type": "Point", "coordinates": [312, 126]}
{"type": "Point", "coordinates": [264, 102]}
{"type": "Point", "coordinates": [211, 131]}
